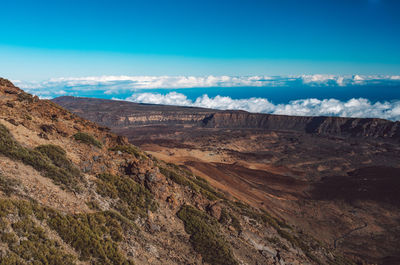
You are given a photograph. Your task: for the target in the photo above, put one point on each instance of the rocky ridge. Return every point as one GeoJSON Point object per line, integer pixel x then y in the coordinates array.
{"type": "Point", "coordinates": [120, 113]}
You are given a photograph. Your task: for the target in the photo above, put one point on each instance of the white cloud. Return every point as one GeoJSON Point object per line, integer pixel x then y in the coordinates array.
{"type": "Point", "coordinates": [304, 107]}
{"type": "Point", "coordinates": [114, 84]}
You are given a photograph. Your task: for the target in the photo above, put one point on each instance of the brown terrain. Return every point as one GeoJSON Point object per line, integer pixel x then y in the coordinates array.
{"type": "Point", "coordinates": [335, 179]}
{"type": "Point", "coordinates": [73, 192]}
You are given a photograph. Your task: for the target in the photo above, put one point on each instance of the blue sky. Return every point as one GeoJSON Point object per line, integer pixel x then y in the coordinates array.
{"type": "Point", "coordinates": [45, 39]}
{"type": "Point", "coordinates": [295, 57]}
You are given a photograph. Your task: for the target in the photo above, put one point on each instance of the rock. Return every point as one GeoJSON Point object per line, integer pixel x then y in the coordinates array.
{"type": "Point", "coordinates": [141, 176]}
{"type": "Point", "coordinates": [152, 227]}
{"type": "Point", "coordinates": [215, 210]}
{"type": "Point", "coordinates": [47, 128]}
{"type": "Point", "coordinates": [131, 168]}
{"type": "Point", "coordinates": [122, 140]}
{"type": "Point", "coordinates": [13, 122]}
{"type": "Point", "coordinates": [152, 250]}
{"type": "Point", "coordinates": [151, 177]}
{"type": "Point", "coordinates": [96, 158]}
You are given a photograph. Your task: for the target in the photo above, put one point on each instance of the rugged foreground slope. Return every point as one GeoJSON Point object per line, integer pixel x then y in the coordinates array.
{"type": "Point", "coordinates": [336, 179]}
{"type": "Point", "coordinates": [72, 192]}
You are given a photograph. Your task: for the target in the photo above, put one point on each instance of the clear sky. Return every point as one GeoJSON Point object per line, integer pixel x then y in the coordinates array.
{"type": "Point", "coordinates": [44, 39]}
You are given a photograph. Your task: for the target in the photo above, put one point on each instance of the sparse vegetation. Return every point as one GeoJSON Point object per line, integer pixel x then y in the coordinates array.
{"type": "Point", "coordinates": [25, 97]}
{"type": "Point", "coordinates": [129, 149]}
{"type": "Point", "coordinates": [133, 198]}
{"type": "Point", "coordinates": [27, 243]}
{"type": "Point", "coordinates": [39, 160]}
{"type": "Point", "coordinates": [228, 218]}
{"type": "Point", "coordinates": [59, 158]}
{"type": "Point", "coordinates": [280, 227]}
{"type": "Point", "coordinates": [197, 184]}
{"type": "Point", "coordinates": [94, 236]}
{"type": "Point", "coordinates": [87, 139]}
{"type": "Point", "coordinates": [205, 236]}
{"type": "Point", "coordinates": [8, 186]}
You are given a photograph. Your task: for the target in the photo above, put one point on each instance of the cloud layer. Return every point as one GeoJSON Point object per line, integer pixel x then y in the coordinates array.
{"type": "Point", "coordinates": [304, 107]}
{"type": "Point", "coordinates": [134, 88]}
{"type": "Point", "coordinates": [114, 84]}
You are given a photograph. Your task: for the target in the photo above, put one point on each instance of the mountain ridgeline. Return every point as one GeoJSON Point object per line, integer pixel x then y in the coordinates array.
{"type": "Point", "coordinates": [121, 113]}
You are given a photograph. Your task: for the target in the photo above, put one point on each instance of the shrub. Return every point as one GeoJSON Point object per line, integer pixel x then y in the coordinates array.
{"type": "Point", "coordinates": [59, 158]}
{"type": "Point", "coordinates": [8, 186]}
{"type": "Point", "coordinates": [205, 236]}
{"type": "Point", "coordinates": [197, 184]}
{"type": "Point", "coordinates": [38, 160]}
{"type": "Point", "coordinates": [94, 236]}
{"type": "Point", "coordinates": [133, 198]}
{"type": "Point", "coordinates": [227, 218]}
{"type": "Point", "coordinates": [87, 139]}
{"type": "Point", "coordinates": [28, 243]}
{"type": "Point", "coordinates": [128, 149]}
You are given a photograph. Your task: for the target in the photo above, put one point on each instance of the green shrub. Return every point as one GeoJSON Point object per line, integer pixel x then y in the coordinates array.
{"type": "Point", "coordinates": [205, 236]}
{"type": "Point", "coordinates": [87, 139]}
{"type": "Point", "coordinates": [59, 158]}
{"type": "Point", "coordinates": [28, 243]}
{"type": "Point", "coordinates": [38, 160]}
{"type": "Point", "coordinates": [94, 236]}
{"type": "Point", "coordinates": [197, 184]}
{"type": "Point", "coordinates": [228, 218]}
{"type": "Point", "coordinates": [236, 223]}
{"type": "Point", "coordinates": [133, 198]}
{"type": "Point", "coordinates": [8, 186]}
{"type": "Point", "coordinates": [128, 149]}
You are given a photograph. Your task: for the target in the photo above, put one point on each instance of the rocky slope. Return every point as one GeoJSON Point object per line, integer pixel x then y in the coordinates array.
{"type": "Point", "coordinates": [72, 192]}
{"type": "Point", "coordinates": [333, 178]}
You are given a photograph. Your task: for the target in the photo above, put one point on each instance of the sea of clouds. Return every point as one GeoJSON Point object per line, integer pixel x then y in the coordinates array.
{"type": "Point", "coordinates": [360, 107]}
{"type": "Point", "coordinates": [135, 86]}
{"type": "Point", "coordinates": [114, 83]}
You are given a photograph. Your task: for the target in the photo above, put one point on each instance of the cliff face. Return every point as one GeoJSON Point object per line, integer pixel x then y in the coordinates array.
{"type": "Point", "coordinates": [122, 114]}
{"type": "Point", "coordinates": [337, 126]}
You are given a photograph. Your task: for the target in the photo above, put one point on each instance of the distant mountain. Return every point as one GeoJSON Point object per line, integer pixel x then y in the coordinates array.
{"type": "Point", "coordinates": [122, 113]}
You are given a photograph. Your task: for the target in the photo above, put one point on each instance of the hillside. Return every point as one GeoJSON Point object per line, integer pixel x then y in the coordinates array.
{"type": "Point", "coordinates": [72, 192]}
{"type": "Point", "coordinates": [333, 178]}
